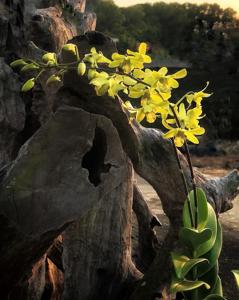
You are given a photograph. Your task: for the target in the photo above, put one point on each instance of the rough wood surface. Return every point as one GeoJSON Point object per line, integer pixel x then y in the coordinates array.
{"type": "Point", "coordinates": [153, 159]}
{"type": "Point", "coordinates": [97, 249]}
{"type": "Point", "coordinates": [53, 183]}
{"type": "Point", "coordinates": [12, 113]}
{"type": "Point", "coordinates": [147, 238]}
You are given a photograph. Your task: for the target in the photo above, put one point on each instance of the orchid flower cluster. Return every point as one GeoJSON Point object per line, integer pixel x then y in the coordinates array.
{"type": "Point", "coordinates": [148, 92]}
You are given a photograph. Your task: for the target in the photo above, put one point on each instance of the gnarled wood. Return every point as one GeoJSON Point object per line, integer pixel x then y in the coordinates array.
{"type": "Point", "coordinates": [53, 183]}
{"type": "Point", "coordinates": [147, 239]}
{"type": "Point", "coordinates": [97, 248]}
{"type": "Point", "coordinates": [153, 159]}
{"type": "Point", "coordinates": [41, 193]}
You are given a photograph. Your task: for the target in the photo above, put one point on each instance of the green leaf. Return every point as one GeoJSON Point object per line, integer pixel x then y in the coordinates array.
{"type": "Point", "coordinates": [183, 264]}
{"type": "Point", "coordinates": [214, 297]}
{"type": "Point", "coordinates": [186, 285]}
{"type": "Point", "coordinates": [210, 278]}
{"type": "Point", "coordinates": [213, 254]}
{"type": "Point", "coordinates": [28, 85]}
{"type": "Point", "coordinates": [193, 238]}
{"type": "Point", "coordinates": [18, 63]}
{"type": "Point", "coordinates": [29, 67]}
{"type": "Point", "coordinates": [236, 275]}
{"type": "Point", "coordinates": [202, 209]}
{"type": "Point", "coordinates": [212, 225]}
{"type": "Point", "coordinates": [217, 289]}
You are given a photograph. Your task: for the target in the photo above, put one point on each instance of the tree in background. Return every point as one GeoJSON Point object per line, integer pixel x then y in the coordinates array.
{"type": "Point", "coordinates": [205, 35]}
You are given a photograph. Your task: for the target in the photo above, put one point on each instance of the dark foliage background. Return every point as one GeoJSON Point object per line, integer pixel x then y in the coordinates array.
{"type": "Point", "coordinates": [204, 38]}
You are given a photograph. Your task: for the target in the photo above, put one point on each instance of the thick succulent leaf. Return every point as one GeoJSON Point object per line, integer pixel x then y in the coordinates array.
{"type": "Point", "coordinates": [236, 275]}
{"type": "Point", "coordinates": [183, 264]}
{"type": "Point", "coordinates": [202, 209]}
{"type": "Point", "coordinates": [214, 297]}
{"type": "Point", "coordinates": [210, 278]}
{"type": "Point", "coordinates": [217, 289]}
{"type": "Point", "coordinates": [213, 254]}
{"type": "Point", "coordinates": [186, 285]}
{"type": "Point", "coordinates": [212, 225]}
{"type": "Point", "coordinates": [193, 238]}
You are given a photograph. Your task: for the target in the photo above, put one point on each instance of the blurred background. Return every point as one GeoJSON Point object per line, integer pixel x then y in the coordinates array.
{"type": "Point", "coordinates": [202, 37]}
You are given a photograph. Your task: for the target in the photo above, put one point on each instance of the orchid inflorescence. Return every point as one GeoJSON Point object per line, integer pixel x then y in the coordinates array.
{"type": "Point", "coordinates": [127, 75]}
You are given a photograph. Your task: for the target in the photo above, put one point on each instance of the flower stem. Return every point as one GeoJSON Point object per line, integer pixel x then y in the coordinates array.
{"type": "Point", "coordinates": [192, 176]}
{"type": "Point", "coordinates": [193, 182]}
{"type": "Point", "coordinates": [184, 183]}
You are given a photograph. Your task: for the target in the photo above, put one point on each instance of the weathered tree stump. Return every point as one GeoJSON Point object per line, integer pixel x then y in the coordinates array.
{"type": "Point", "coordinates": [73, 174]}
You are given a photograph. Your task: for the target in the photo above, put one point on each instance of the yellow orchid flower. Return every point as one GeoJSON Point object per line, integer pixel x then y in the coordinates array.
{"type": "Point", "coordinates": [189, 125]}
{"type": "Point", "coordinates": [180, 135]}
{"type": "Point", "coordinates": [152, 106]}
{"type": "Point", "coordinates": [161, 81]}
{"type": "Point", "coordinates": [188, 119]}
{"type": "Point", "coordinates": [95, 57]}
{"type": "Point", "coordinates": [134, 60]}
{"type": "Point", "coordinates": [122, 61]}
{"type": "Point", "coordinates": [104, 83]}
{"type": "Point", "coordinates": [137, 91]}
{"type": "Point", "coordinates": [198, 96]}
{"type": "Point", "coordinates": [138, 59]}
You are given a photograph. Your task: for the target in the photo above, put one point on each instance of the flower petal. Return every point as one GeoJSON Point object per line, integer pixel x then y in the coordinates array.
{"type": "Point", "coordinates": [180, 74]}
{"type": "Point", "coordinates": [151, 117]}
{"type": "Point", "coordinates": [191, 137]}
{"type": "Point", "coordinates": [140, 115]}
{"type": "Point", "coordinates": [142, 48]}
{"type": "Point", "coordinates": [179, 141]}
{"type": "Point", "coordinates": [171, 133]}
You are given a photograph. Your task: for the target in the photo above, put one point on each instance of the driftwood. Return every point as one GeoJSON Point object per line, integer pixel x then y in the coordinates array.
{"type": "Point", "coordinates": [147, 238]}
{"type": "Point", "coordinates": [97, 249]}
{"type": "Point", "coordinates": [153, 158]}
{"type": "Point", "coordinates": [59, 175]}
{"type": "Point", "coordinates": [74, 173]}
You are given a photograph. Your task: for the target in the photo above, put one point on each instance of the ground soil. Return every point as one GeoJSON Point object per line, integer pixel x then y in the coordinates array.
{"type": "Point", "coordinates": [229, 259]}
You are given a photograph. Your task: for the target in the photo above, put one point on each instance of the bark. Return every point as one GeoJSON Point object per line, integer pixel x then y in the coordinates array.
{"type": "Point", "coordinates": [153, 158]}
{"type": "Point", "coordinates": [54, 181]}
{"type": "Point", "coordinates": [147, 238]}
{"type": "Point", "coordinates": [12, 113]}
{"type": "Point", "coordinates": [97, 249]}
{"type": "Point", "coordinates": [49, 24]}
